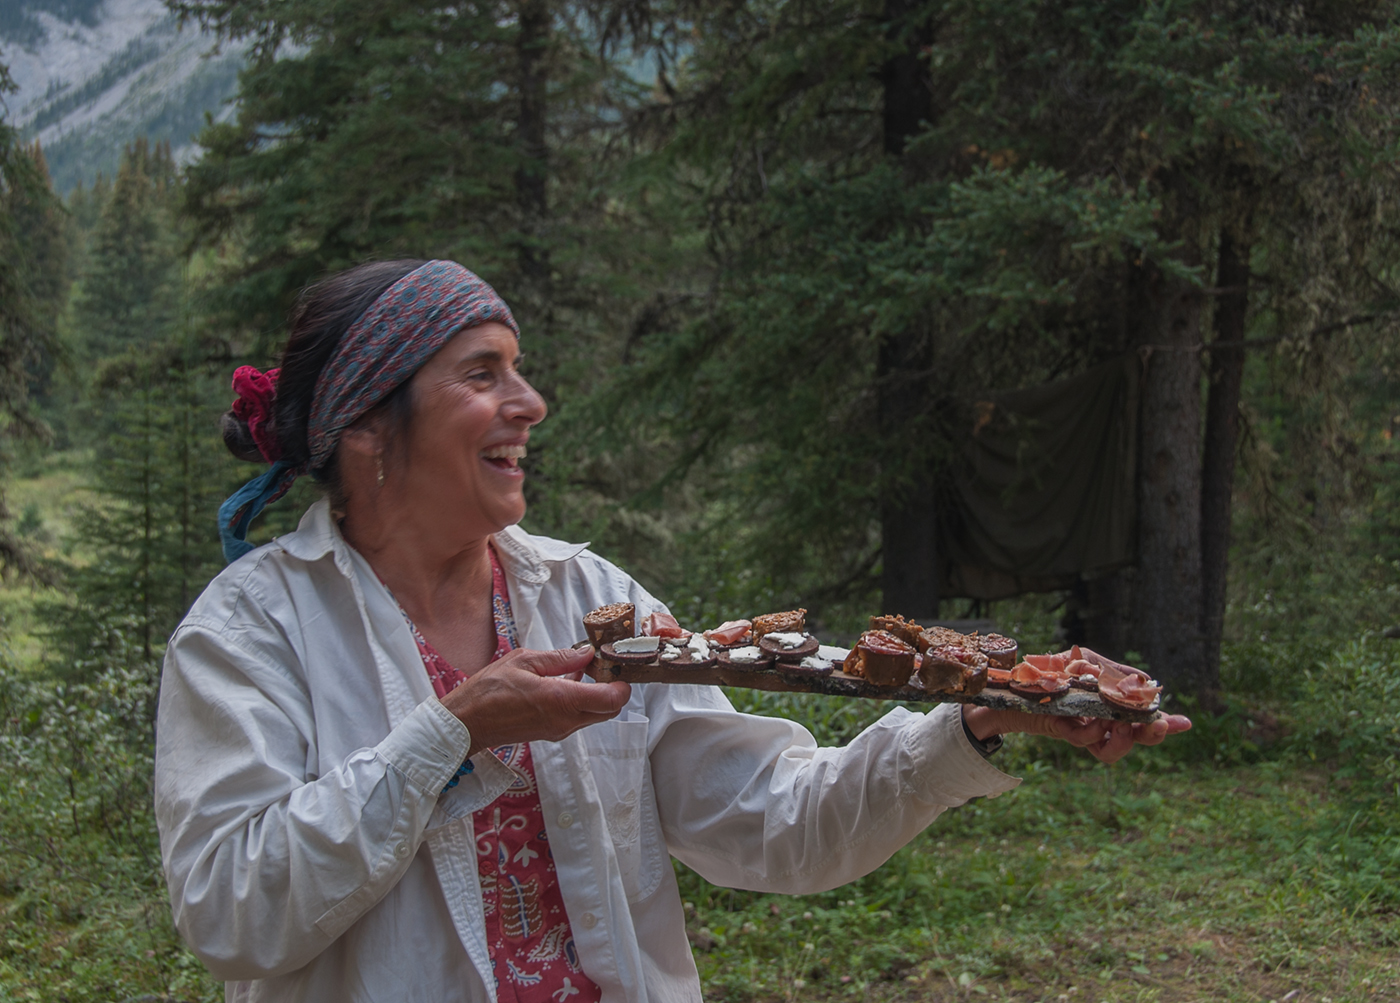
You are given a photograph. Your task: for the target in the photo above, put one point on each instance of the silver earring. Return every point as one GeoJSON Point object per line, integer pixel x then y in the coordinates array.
{"type": "Point", "coordinates": [379, 463]}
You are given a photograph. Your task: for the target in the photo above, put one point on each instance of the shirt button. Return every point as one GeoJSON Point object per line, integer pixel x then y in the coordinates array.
{"type": "Point", "coordinates": [588, 920]}
{"type": "Point", "coordinates": [401, 850]}
{"type": "Point", "coordinates": [566, 820]}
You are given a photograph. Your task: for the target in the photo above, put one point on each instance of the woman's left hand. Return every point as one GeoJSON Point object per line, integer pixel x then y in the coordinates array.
{"type": "Point", "coordinates": [1107, 741]}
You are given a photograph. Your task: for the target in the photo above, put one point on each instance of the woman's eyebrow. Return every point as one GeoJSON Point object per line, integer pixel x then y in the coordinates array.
{"type": "Point", "coordinates": [487, 355]}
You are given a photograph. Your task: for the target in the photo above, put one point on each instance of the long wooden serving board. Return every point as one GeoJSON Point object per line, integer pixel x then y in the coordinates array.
{"type": "Point", "coordinates": [1075, 703]}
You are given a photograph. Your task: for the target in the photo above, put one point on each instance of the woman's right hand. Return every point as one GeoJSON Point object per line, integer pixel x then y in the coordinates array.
{"type": "Point", "coordinates": [528, 696]}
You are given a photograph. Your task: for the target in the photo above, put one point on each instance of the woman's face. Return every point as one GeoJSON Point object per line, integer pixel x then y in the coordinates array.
{"type": "Point", "coordinates": [472, 413]}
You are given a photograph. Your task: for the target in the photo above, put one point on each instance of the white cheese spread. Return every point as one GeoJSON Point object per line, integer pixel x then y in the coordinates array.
{"type": "Point", "coordinates": [635, 645]}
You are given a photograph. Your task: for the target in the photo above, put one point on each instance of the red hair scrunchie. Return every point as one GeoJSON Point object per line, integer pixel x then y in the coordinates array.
{"type": "Point", "coordinates": [256, 392]}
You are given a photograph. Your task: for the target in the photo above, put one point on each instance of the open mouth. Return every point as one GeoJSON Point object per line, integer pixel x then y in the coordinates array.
{"type": "Point", "coordinates": [504, 457]}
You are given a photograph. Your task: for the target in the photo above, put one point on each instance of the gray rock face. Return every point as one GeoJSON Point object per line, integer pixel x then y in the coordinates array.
{"type": "Point", "coordinates": [95, 74]}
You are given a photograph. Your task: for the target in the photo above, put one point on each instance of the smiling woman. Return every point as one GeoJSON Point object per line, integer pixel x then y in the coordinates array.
{"type": "Point", "coordinates": [379, 772]}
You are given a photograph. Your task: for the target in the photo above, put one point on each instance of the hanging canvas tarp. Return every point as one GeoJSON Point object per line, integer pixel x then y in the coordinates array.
{"type": "Point", "coordinates": [1045, 490]}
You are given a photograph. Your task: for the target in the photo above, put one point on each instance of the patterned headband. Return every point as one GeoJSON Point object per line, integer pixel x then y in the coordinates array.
{"type": "Point", "coordinates": [385, 346]}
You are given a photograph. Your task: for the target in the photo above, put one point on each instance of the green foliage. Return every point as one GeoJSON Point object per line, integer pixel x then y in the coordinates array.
{"type": "Point", "coordinates": [149, 541]}
{"type": "Point", "coordinates": [411, 129]}
{"type": "Point", "coordinates": [83, 909]}
{"type": "Point", "coordinates": [1071, 155]}
{"type": "Point", "coordinates": [131, 286]}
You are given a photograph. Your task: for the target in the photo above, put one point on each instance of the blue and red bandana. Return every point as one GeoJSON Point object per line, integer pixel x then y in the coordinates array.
{"type": "Point", "coordinates": [385, 346]}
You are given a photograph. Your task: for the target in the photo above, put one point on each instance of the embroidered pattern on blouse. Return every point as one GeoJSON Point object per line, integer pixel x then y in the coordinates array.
{"type": "Point", "coordinates": [533, 956]}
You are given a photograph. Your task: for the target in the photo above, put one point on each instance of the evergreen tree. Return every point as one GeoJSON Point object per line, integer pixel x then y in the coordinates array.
{"type": "Point", "coordinates": [26, 300]}
{"type": "Point", "coordinates": [159, 472]}
{"type": "Point", "coordinates": [488, 133]}
{"type": "Point", "coordinates": [43, 230]}
{"type": "Point", "coordinates": [912, 204]}
{"type": "Point", "coordinates": [131, 282]}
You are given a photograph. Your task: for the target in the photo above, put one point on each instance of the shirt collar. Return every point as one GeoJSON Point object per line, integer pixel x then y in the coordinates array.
{"type": "Point", "coordinates": [524, 555]}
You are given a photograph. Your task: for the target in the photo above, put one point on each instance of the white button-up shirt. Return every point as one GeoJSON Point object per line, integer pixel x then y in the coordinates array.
{"type": "Point", "coordinates": [312, 855]}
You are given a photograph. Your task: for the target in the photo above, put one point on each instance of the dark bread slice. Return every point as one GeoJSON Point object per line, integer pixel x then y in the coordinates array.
{"type": "Point", "coordinates": [611, 654]}
{"type": "Point", "coordinates": [726, 658]}
{"type": "Point", "coordinates": [808, 646]}
{"type": "Point", "coordinates": [610, 623]}
{"type": "Point", "coordinates": [686, 659]}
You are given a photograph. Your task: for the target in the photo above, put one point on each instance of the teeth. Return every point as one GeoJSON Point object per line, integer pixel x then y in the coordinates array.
{"type": "Point", "coordinates": [505, 453]}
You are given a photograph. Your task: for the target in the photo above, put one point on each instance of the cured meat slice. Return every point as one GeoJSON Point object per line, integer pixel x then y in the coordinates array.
{"type": "Point", "coordinates": [1130, 690]}
{"type": "Point", "coordinates": [661, 624]}
{"type": "Point", "coordinates": [1041, 677]}
{"type": "Point", "coordinates": [1048, 663]}
{"type": "Point", "coordinates": [997, 676]}
{"type": "Point", "coordinates": [730, 632]}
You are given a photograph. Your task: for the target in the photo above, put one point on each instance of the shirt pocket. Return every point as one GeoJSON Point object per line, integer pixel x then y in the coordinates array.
{"type": "Point", "coordinates": [617, 754]}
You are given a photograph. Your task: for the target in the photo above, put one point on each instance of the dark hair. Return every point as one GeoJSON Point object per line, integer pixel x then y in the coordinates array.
{"type": "Point", "coordinates": [323, 313]}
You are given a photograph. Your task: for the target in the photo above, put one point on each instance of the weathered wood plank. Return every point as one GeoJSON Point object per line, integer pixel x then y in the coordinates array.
{"type": "Point", "coordinates": [1075, 703]}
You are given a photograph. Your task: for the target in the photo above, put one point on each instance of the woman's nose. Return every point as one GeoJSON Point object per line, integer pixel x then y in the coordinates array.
{"type": "Point", "coordinates": [525, 403]}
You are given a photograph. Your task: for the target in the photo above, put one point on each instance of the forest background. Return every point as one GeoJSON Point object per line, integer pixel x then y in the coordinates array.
{"type": "Point", "coordinates": [768, 258]}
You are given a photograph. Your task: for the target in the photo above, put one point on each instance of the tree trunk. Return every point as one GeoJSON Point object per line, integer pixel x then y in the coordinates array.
{"type": "Point", "coordinates": [1221, 440]}
{"type": "Point", "coordinates": [1105, 626]}
{"type": "Point", "coordinates": [907, 525]}
{"type": "Point", "coordinates": [1168, 580]}
{"type": "Point", "coordinates": [531, 176]}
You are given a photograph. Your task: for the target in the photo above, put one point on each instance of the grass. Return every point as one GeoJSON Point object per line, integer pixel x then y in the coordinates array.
{"type": "Point", "coordinates": [45, 502]}
{"type": "Point", "coordinates": [1088, 883]}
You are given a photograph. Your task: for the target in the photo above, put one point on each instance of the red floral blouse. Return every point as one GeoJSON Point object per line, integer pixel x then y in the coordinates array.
{"type": "Point", "coordinates": [532, 946]}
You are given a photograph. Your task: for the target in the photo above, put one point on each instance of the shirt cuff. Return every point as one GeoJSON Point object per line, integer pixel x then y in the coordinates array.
{"type": "Point", "coordinates": [947, 768]}
{"type": "Point", "coordinates": [427, 746]}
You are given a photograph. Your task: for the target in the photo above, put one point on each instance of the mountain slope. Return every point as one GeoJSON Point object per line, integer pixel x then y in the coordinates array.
{"type": "Point", "coordinates": [95, 74]}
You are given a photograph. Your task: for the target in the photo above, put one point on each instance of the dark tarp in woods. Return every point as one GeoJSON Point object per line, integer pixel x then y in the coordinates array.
{"type": "Point", "coordinates": [1045, 490]}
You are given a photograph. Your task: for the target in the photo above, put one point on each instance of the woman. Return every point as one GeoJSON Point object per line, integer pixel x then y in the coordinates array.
{"type": "Point", "coordinates": [379, 773]}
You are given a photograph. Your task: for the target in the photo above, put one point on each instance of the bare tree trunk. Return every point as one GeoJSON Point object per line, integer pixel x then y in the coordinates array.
{"type": "Point", "coordinates": [1105, 625]}
{"type": "Point", "coordinates": [1168, 580]}
{"type": "Point", "coordinates": [907, 522]}
{"type": "Point", "coordinates": [1221, 440]}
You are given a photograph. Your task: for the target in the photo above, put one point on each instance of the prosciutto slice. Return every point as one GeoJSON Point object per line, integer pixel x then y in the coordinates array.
{"type": "Point", "coordinates": [730, 632]}
{"type": "Point", "coordinates": [660, 624]}
{"type": "Point", "coordinates": [1131, 689]}
{"type": "Point", "coordinates": [1041, 675]}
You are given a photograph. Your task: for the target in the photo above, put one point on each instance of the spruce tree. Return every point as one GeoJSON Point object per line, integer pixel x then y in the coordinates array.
{"type": "Point", "coordinates": [913, 203]}
{"type": "Point", "coordinates": [130, 287]}
{"type": "Point", "coordinates": [28, 296]}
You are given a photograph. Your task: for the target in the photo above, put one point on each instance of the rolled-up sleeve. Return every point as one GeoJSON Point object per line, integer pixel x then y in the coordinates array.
{"type": "Point", "coordinates": [267, 862]}
{"type": "Point", "coordinates": [753, 802]}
